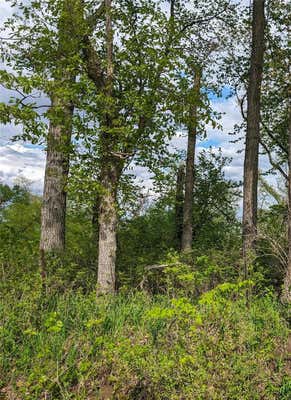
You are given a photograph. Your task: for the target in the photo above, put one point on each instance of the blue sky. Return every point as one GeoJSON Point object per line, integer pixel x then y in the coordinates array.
{"type": "Point", "coordinates": [24, 159]}
{"type": "Point", "coordinates": [28, 160]}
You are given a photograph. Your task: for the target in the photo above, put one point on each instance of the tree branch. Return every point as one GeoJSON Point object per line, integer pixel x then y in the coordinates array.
{"type": "Point", "coordinates": [204, 20]}
{"type": "Point", "coordinates": [272, 162]}
{"type": "Point", "coordinates": [270, 134]}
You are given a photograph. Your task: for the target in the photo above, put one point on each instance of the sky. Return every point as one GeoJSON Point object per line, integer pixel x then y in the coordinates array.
{"type": "Point", "coordinates": [26, 160]}
{"type": "Point", "coordinates": [19, 158]}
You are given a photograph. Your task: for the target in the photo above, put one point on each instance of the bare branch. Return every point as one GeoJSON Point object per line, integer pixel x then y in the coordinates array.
{"type": "Point", "coordinates": [270, 134]}
{"type": "Point", "coordinates": [272, 162]}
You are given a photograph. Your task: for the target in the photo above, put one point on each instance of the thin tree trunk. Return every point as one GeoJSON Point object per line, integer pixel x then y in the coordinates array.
{"type": "Point", "coordinates": [189, 180]}
{"type": "Point", "coordinates": [253, 133]}
{"type": "Point", "coordinates": [56, 174]}
{"type": "Point", "coordinates": [179, 205]}
{"type": "Point", "coordinates": [286, 293]}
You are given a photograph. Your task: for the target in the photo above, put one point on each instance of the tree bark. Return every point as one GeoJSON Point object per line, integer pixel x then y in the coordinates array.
{"type": "Point", "coordinates": [95, 219]}
{"type": "Point", "coordinates": [253, 132]}
{"type": "Point", "coordinates": [187, 234]}
{"type": "Point", "coordinates": [286, 292]}
{"type": "Point", "coordinates": [110, 173]}
{"type": "Point", "coordinates": [108, 218]}
{"type": "Point", "coordinates": [53, 213]}
{"type": "Point", "coordinates": [179, 205]}
{"type": "Point", "coordinates": [111, 169]}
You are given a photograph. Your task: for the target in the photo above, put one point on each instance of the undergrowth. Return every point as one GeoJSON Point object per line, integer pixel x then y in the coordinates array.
{"type": "Point", "coordinates": [177, 345]}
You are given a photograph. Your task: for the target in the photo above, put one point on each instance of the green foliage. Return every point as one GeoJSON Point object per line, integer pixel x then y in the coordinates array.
{"type": "Point", "coordinates": [146, 239]}
{"type": "Point", "coordinates": [135, 346]}
{"type": "Point", "coordinates": [272, 245]}
{"type": "Point", "coordinates": [191, 275]}
{"type": "Point", "coordinates": [19, 235]}
{"type": "Point", "coordinates": [190, 328]}
{"type": "Point", "coordinates": [188, 334]}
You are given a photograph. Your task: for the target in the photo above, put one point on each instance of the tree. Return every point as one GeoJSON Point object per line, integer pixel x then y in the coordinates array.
{"type": "Point", "coordinates": [189, 178]}
{"type": "Point", "coordinates": [60, 131]}
{"type": "Point", "coordinates": [276, 89]}
{"type": "Point", "coordinates": [19, 230]}
{"type": "Point", "coordinates": [130, 84]}
{"type": "Point", "coordinates": [179, 201]}
{"type": "Point", "coordinates": [286, 294]}
{"type": "Point", "coordinates": [273, 139]}
{"type": "Point", "coordinates": [111, 167]}
{"type": "Point", "coordinates": [253, 130]}
{"type": "Point", "coordinates": [215, 203]}
{"type": "Point", "coordinates": [45, 67]}
{"type": "Point", "coordinates": [6, 194]}
{"type": "Point", "coordinates": [131, 78]}
{"type": "Point", "coordinates": [275, 118]}
{"type": "Point", "coordinates": [147, 238]}
{"type": "Point", "coordinates": [205, 36]}
{"type": "Point", "coordinates": [19, 192]}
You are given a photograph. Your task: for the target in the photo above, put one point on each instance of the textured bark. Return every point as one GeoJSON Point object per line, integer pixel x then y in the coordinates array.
{"type": "Point", "coordinates": [179, 205]}
{"type": "Point", "coordinates": [56, 174]}
{"type": "Point", "coordinates": [112, 156]}
{"type": "Point", "coordinates": [107, 228]}
{"type": "Point", "coordinates": [95, 219]}
{"type": "Point", "coordinates": [189, 179]}
{"type": "Point", "coordinates": [60, 130]}
{"type": "Point", "coordinates": [286, 293]}
{"type": "Point", "coordinates": [110, 174]}
{"type": "Point", "coordinates": [253, 132]}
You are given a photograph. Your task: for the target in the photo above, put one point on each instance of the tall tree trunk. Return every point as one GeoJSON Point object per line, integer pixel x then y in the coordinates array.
{"type": "Point", "coordinates": [107, 243]}
{"type": "Point", "coordinates": [253, 132]}
{"type": "Point", "coordinates": [286, 293]}
{"type": "Point", "coordinates": [110, 174]}
{"type": "Point", "coordinates": [179, 205]}
{"type": "Point", "coordinates": [189, 180]}
{"type": "Point", "coordinates": [53, 212]}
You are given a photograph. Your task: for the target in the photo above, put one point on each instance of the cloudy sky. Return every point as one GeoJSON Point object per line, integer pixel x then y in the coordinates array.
{"type": "Point", "coordinates": [24, 159]}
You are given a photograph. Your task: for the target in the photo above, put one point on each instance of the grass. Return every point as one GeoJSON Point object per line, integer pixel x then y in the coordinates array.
{"type": "Point", "coordinates": [136, 346]}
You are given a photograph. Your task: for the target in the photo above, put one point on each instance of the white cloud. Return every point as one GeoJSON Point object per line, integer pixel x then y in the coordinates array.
{"type": "Point", "coordinates": [220, 139]}
{"type": "Point", "coordinates": [28, 161]}
{"type": "Point", "coordinates": [20, 160]}
{"type": "Point", "coordinates": [5, 11]}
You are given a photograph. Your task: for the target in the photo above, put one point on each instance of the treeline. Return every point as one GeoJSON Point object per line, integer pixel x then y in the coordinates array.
{"type": "Point", "coordinates": [106, 85]}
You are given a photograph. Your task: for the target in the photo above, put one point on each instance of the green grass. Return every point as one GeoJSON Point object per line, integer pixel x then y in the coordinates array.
{"type": "Point", "coordinates": [137, 346]}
